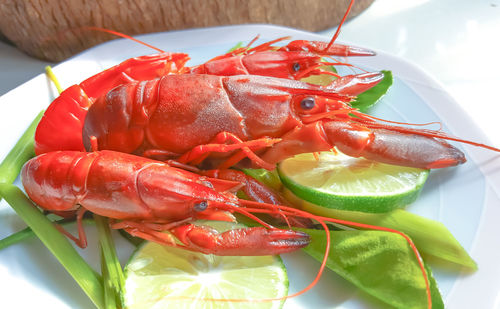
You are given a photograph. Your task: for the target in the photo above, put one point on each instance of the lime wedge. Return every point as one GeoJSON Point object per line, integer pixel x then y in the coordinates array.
{"type": "Point", "coordinates": [156, 273]}
{"type": "Point", "coordinates": [341, 182]}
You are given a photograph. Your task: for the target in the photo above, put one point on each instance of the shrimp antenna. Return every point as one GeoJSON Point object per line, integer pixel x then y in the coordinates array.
{"type": "Point", "coordinates": [340, 25]}
{"type": "Point", "coordinates": [124, 36]}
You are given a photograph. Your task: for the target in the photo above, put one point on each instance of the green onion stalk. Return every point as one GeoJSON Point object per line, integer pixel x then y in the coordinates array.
{"type": "Point", "coordinates": [24, 148]}
{"type": "Point", "coordinates": [112, 272]}
{"type": "Point", "coordinates": [22, 152]}
{"type": "Point", "coordinates": [28, 233]}
{"type": "Point", "coordinates": [89, 280]}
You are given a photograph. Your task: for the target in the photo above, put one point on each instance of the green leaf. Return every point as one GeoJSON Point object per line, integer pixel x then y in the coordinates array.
{"type": "Point", "coordinates": [379, 263]}
{"type": "Point", "coordinates": [368, 98]}
{"type": "Point", "coordinates": [57, 243]}
{"type": "Point", "coordinates": [434, 241]}
{"type": "Point", "coordinates": [330, 68]}
{"type": "Point", "coordinates": [437, 300]}
{"type": "Point", "coordinates": [432, 238]}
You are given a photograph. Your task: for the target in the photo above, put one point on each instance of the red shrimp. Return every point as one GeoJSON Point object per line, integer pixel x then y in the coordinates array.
{"type": "Point", "coordinates": [195, 118]}
{"type": "Point", "coordinates": [147, 198]}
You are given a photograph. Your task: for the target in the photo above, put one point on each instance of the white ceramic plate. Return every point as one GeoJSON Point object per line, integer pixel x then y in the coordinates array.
{"type": "Point", "coordinates": [464, 198]}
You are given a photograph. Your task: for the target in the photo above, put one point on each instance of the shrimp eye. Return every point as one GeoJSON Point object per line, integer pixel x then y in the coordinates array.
{"type": "Point", "coordinates": [296, 67]}
{"type": "Point", "coordinates": [201, 206]}
{"type": "Point", "coordinates": [307, 103]}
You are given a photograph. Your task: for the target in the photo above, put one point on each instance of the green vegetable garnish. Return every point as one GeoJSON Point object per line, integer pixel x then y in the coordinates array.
{"type": "Point", "coordinates": [379, 263]}
{"type": "Point", "coordinates": [57, 243]}
{"type": "Point", "coordinates": [113, 278]}
{"type": "Point", "coordinates": [432, 238]}
{"type": "Point", "coordinates": [22, 152]}
{"type": "Point", "coordinates": [367, 99]}
{"type": "Point", "coordinates": [27, 233]}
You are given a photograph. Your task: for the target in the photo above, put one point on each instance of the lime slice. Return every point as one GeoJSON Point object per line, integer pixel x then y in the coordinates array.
{"type": "Point", "coordinates": [342, 182]}
{"type": "Point", "coordinates": [155, 273]}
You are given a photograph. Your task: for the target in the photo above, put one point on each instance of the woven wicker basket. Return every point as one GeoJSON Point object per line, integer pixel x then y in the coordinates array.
{"type": "Point", "coordinates": [52, 30]}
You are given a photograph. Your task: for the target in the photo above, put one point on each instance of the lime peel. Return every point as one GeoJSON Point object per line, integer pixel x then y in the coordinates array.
{"type": "Point", "coordinates": [341, 182]}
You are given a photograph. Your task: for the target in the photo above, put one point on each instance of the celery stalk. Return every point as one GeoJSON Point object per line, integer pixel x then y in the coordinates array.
{"type": "Point", "coordinates": [16, 237]}
{"type": "Point", "coordinates": [113, 277]}
{"type": "Point", "coordinates": [28, 233]}
{"type": "Point", "coordinates": [110, 296]}
{"type": "Point", "coordinates": [22, 152]}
